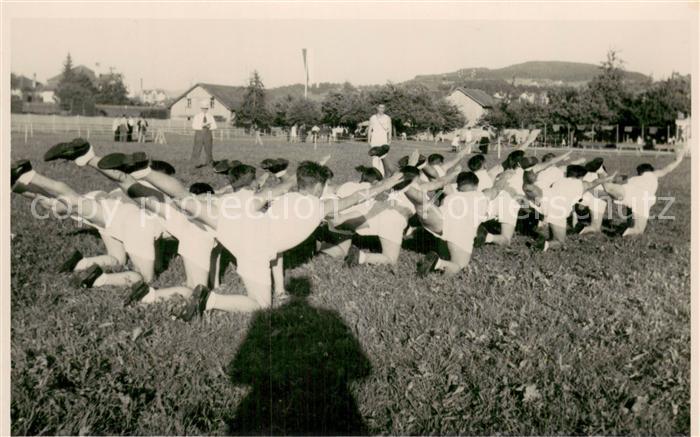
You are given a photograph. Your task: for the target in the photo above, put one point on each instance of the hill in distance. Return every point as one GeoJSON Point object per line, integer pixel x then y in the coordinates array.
{"type": "Point", "coordinates": [532, 72]}
{"type": "Point", "coordinates": [526, 76]}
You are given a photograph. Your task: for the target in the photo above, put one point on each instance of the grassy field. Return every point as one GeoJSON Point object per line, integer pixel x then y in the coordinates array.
{"type": "Point", "coordinates": [594, 339]}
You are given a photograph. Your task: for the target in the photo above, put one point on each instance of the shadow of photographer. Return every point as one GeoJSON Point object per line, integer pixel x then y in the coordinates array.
{"type": "Point", "coordinates": [299, 361]}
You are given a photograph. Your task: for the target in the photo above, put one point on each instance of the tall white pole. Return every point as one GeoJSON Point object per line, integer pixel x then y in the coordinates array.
{"type": "Point", "coordinates": [306, 73]}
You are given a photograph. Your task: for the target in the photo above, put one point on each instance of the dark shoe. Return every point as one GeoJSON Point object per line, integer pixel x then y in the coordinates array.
{"type": "Point", "coordinates": [69, 264]}
{"type": "Point", "coordinates": [113, 161]}
{"type": "Point", "coordinates": [200, 165]}
{"type": "Point", "coordinates": [138, 292]}
{"type": "Point", "coordinates": [68, 151]}
{"type": "Point", "coordinates": [196, 305]}
{"type": "Point", "coordinates": [18, 169]}
{"type": "Point", "coordinates": [162, 166]}
{"type": "Point", "coordinates": [352, 259]}
{"type": "Point", "coordinates": [480, 239]}
{"type": "Point", "coordinates": [539, 245]}
{"type": "Point", "coordinates": [221, 166]}
{"type": "Point", "coordinates": [136, 161]}
{"type": "Point", "coordinates": [88, 277]}
{"type": "Point", "coordinates": [427, 264]}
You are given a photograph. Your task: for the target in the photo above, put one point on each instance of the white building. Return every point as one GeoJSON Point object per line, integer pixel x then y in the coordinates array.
{"type": "Point", "coordinates": [155, 97]}
{"type": "Point", "coordinates": [472, 103]}
{"type": "Point", "coordinates": [223, 100]}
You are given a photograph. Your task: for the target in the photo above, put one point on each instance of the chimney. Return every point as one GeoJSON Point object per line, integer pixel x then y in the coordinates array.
{"type": "Point", "coordinates": [34, 81]}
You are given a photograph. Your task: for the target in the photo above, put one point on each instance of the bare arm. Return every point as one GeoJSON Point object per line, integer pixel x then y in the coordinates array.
{"type": "Point", "coordinates": [331, 206]}
{"type": "Point", "coordinates": [587, 186]}
{"type": "Point", "coordinates": [440, 182]}
{"type": "Point", "coordinates": [448, 165]}
{"type": "Point", "coordinates": [672, 166]}
{"type": "Point", "coordinates": [554, 161]}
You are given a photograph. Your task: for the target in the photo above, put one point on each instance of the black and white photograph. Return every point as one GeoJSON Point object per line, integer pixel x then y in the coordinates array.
{"type": "Point", "coordinates": [348, 218]}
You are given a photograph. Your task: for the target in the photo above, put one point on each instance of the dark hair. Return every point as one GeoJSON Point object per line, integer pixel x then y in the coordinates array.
{"type": "Point", "coordinates": [435, 158]}
{"type": "Point", "coordinates": [476, 162]}
{"type": "Point", "coordinates": [575, 171]}
{"type": "Point", "coordinates": [201, 188]}
{"type": "Point", "coordinates": [594, 164]}
{"type": "Point", "coordinates": [274, 165]}
{"type": "Point", "coordinates": [310, 173]}
{"type": "Point", "coordinates": [409, 174]}
{"type": "Point", "coordinates": [241, 175]}
{"type": "Point", "coordinates": [467, 178]}
{"type": "Point", "coordinates": [513, 159]}
{"type": "Point", "coordinates": [369, 174]}
{"type": "Point", "coordinates": [643, 168]}
{"type": "Point", "coordinates": [528, 161]}
{"type": "Point", "coordinates": [548, 157]}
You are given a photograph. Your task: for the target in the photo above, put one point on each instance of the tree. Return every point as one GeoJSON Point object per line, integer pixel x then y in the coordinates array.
{"type": "Point", "coordinates": [111, 90]}
{"type": "Point", "coordinates": [279, 111]}
{"type": "Point", "coordinates": [303, 111]}
{"type": "Point", "coordinates": [75, 91]}
{"type": "Point", "coordinates": [660, 104]}
{"type": "Point", "coordinates": [348, 107]}
{"type": "Point", "coordinates": [253, 110]}
{"type": "Point", "coordinates": [607, 94]}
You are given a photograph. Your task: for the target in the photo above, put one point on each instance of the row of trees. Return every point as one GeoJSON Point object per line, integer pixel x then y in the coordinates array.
{"type": "Point", "coordinates": [608, 99]}
{"type": "Point", "coordinates": [78, 93]}
{"type": "Point", "coordinates": [412, 108]}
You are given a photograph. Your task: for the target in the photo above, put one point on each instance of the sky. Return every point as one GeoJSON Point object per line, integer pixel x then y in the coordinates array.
{"type": "Point", "coordinates": [174, 54]}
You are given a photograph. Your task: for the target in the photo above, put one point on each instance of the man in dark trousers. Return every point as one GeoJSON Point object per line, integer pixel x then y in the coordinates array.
{"type": "Point", "coordinates": [203, 123]}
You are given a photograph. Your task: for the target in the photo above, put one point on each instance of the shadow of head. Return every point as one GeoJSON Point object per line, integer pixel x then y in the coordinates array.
{"type": "Point", "coordinates": [299, 287]}
{"type": "Point", "coordinates": [298, 361]}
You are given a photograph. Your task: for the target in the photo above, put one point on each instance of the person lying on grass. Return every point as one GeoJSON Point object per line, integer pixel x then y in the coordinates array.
{"type": "Point", "coordinates": [639, 192]}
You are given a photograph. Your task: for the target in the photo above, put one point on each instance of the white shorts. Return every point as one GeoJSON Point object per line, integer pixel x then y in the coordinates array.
{"type": "Point", "coordinates": [505, 208]}
{"type": "Point", "coordinates": [595, 204]}
{"type": "Point", "coordinates": [136, 229]}
{"type": "Point", "coordinates": [638, 200]}
{"type": "Point", "coordinates": [388, 224]}
{"type": "Point", "coordinates": [194, 243]}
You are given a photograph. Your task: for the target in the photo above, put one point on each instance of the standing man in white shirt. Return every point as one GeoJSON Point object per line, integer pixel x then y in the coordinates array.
{"type": "Point", "coordinates": [379, 131]}
{"type": "Point", "coordinates": [203, 123]}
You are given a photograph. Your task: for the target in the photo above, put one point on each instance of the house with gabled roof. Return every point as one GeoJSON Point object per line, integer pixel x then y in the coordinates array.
{"type": "Point", "coordinates": [224, 101]}
{"type": "Point", "coordinates": [473, 103]}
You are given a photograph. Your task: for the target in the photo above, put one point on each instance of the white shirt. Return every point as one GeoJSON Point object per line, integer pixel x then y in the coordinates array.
{"type": "Point", "coordinates": [485, 181]}
{"type": "Point", "coordinates": [380, 126]}
{"type": "Point", "coordinates": [198, 121]}
{"type": "Point", "coordinates": [548, 176]}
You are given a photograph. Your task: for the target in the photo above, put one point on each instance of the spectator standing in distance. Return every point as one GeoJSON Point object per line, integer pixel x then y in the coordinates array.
{"type": "Point", "coordinates": [256, 134]}
{"type": "Point", "coordinates": [314, 134]}
{"type": "Point", "coordinates": [293, 134]}
{"type": "Point", "coordinates": [203, 124]}
{"type": "Point", "coordinates": [115, 128]}
{"type": "Point", "coordinates": [379, 131]}
{"type": "Point", "coordinates": [142, 125]}
{"type": "Point", "coordinates": [123, 128]}
{"type": "Point", "coordinates": [130, 124]}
